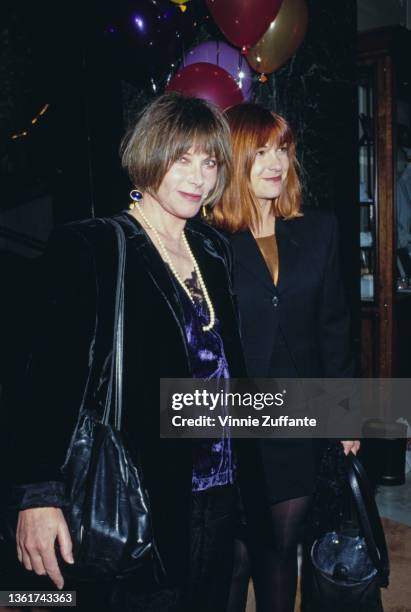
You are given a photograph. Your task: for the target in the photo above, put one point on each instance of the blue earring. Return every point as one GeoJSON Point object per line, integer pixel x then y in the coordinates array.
{"type": "Point", "coordinates": [136, 196]}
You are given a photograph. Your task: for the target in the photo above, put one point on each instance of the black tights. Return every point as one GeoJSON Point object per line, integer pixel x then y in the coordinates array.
{"type": "Point", "coordinates": [273, 564]}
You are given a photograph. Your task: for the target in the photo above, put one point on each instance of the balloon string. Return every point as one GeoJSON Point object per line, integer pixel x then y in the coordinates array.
{"type": "Point", "coordinates": [218, 53]}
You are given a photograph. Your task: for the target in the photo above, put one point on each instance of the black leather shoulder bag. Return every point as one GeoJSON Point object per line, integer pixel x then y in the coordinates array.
{"type": "Point", "coordinates": [349, 570]}
{"type": "Point", "coordinates": [108, 513]}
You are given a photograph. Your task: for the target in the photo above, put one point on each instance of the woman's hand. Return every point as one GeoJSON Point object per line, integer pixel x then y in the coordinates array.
{"type": "Point", "coordinates": [351, 445]}
{"type": "Point", "coordinates": [37, 531]}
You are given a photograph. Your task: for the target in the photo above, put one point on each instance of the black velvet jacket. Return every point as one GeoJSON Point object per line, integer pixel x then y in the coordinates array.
{"type": "Point", "coordinates": [80, 267]}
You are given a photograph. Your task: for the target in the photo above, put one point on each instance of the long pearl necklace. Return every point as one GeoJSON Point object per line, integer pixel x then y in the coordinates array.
{"type": "Point", "coordinates": [167, 259]}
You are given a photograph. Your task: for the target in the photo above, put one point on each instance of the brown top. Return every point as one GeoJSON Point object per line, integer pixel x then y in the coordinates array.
{"type": "Point", "coordinates": [269, 250]}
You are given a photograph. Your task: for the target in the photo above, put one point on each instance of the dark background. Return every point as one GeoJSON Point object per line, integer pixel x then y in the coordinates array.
{"type": "Point", "coordinates": [87, 63]}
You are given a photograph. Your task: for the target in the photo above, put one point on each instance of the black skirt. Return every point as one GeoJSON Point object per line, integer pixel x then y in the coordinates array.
{"type": "Point", "coordinates": [289, 465]}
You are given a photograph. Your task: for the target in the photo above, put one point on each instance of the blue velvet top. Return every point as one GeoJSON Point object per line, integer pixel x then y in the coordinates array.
{"type": "Point", "coordinates": [213, 463]}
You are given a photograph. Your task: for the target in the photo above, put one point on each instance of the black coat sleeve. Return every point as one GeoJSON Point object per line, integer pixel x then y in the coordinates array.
{"type": "Point", "coordinates": [54, 382]}
{"type": "Point", "coordinates": [334, 320]}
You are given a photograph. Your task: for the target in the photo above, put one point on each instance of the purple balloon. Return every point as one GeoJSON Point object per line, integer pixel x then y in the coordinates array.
{"type": "Point", "coordinates": [227, 57]}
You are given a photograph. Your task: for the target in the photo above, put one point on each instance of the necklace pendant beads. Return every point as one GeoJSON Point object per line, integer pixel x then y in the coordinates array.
{"type": "Point", "coordinates": [168, 260]}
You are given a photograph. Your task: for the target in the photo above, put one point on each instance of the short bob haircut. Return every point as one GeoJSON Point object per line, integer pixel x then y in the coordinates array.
{"type": "Point", "coordinates": [165, 130]}
{"type": "Point", "coordinates": [253, 127]}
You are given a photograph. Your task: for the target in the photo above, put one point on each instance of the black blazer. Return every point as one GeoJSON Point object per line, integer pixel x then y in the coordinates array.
{"type": "Point", "coordinates": [308, 303]}
{"type": "Point", "coordinates": [78, 308]}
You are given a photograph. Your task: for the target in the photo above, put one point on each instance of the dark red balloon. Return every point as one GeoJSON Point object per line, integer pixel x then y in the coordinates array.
{"type": "Point", "coordinates": [243, 22]}
{"type": "Point", "coordinates": [207, 81]}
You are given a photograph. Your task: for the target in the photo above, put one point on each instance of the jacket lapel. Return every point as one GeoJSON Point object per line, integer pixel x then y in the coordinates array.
{"type": "Point", "coordinates": [288, 252]}
{"type": "Point", "coordinates": [249, 256]}
{"type": "Point", "coordinates": [154, 266]}
{"type": "Point", "coordinates": [213, 269]}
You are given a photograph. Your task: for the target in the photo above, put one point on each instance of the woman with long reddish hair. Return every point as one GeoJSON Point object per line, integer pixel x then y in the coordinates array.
{"type": "Point", "coordinates": [294, 324]}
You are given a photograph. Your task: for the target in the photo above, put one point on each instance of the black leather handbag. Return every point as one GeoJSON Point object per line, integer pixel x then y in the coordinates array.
{"type": "Point", "coordinates": [349, 570]}
{"type": "Point", "coordinates": [108, 513]}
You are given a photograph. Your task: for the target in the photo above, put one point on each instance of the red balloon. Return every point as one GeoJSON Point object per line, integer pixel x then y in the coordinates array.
{"type": "Point", "coordinates": [207, 81]}
{"type": "Point", "coordinates": [243, 22]}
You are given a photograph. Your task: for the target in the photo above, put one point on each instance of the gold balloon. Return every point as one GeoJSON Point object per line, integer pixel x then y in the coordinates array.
{"type": "Point", "coordinates": [283, 37]}
{"type": "Point", "coordinates": [181, 4]}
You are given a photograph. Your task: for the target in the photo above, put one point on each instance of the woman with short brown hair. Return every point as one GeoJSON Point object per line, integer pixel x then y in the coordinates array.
{"type": "Point", "coordinates": [180, 322]}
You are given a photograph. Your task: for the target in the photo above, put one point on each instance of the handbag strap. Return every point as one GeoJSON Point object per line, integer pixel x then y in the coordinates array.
{"type": "Point", "coordinates": [116, 367]}
{"type": "Point", "coordinates": [115, 384]}
{"type": "Point", "coordinates": [368, 516]}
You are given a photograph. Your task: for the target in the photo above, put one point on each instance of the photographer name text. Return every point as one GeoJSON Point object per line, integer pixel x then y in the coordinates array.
{"type": "Point", "coordinates": [249, 421]}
